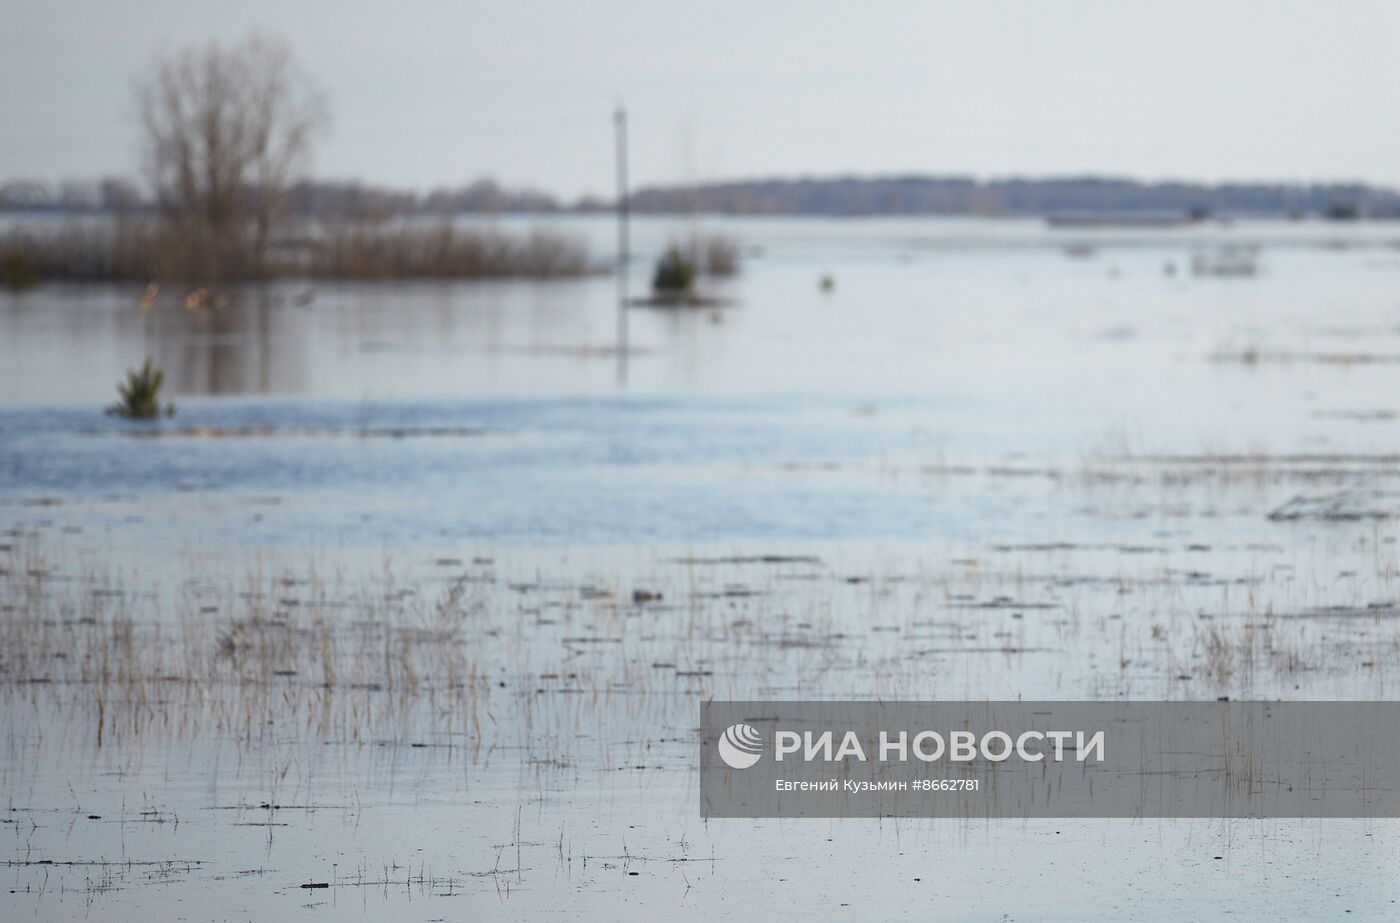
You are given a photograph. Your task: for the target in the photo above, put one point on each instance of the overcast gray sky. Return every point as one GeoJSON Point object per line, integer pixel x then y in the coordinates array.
{"type": "Point", "coordinates": [423, 94]}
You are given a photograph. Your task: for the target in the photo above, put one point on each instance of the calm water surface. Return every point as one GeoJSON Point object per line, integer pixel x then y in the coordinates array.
{"type": "Point", "coordinates": [996, 459]}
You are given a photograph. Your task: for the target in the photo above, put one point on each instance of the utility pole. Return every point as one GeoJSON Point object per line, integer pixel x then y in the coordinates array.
{"type": "Point", "coordinates": [622, 244]}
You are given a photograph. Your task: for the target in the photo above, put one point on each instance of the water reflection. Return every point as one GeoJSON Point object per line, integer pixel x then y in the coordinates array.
{"type": "Point", "coordinates": [241, 345]}
{"type": "Point", "coordinates": [64, 344]}
{"type": "Point", "coordinates": [1009, 320]}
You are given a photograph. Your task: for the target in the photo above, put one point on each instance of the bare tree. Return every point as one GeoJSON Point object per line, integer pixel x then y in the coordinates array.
{"type": "Point", "coordinates": [226, 131]}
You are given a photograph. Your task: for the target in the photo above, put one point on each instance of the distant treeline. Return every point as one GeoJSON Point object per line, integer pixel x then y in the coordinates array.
{"type": "Point", "coordinates": [1063, 197]}
{"type": "Point", "coordinates": [306, 199]}
{"type": "Point", "coordinates": [901, 195]}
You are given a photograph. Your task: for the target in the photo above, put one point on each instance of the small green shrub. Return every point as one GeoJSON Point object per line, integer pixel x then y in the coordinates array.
{"type": "Point", "coordinates": [140, 395]}
{"type": "Point", "coordinates": [675, 275]}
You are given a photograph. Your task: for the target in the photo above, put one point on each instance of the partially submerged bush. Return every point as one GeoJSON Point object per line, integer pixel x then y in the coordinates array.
{"type": "Point", "coordinates": [140, 395]}
{"type": "Point", "coordinates": [675, 273]}
{"type": "Point", "coordinates": [708, 254]}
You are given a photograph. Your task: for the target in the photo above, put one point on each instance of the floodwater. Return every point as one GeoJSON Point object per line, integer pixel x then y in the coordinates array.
{"type": "Point", "coordinates": [413, 601]}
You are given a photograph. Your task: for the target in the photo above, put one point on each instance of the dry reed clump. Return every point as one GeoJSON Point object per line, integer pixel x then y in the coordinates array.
{"type": "Point", "coordinates": [719, 255]}
{"type": "Point", "coordinates": [92, 251]}
{"type": "Point", "coordinates": [441, 251]}
{"type": "Point", "coordinates": [146, 249]}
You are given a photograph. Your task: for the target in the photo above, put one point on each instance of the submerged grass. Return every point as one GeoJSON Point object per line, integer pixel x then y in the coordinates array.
{"type": "Point", "coordinates": [306, 690]}
{"type": "Point", "coordinates": [470, 659]}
